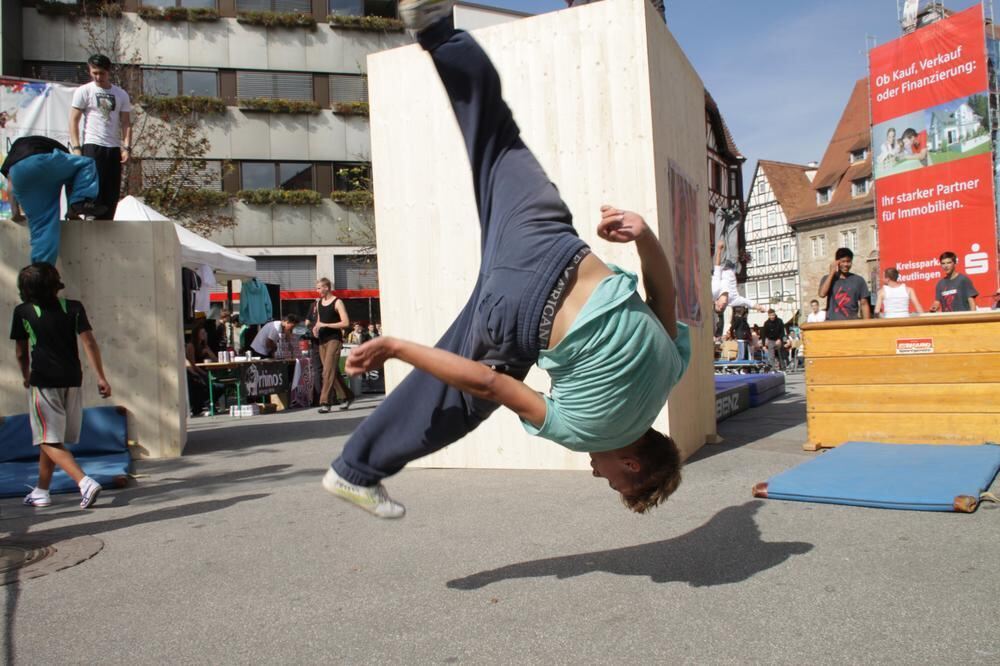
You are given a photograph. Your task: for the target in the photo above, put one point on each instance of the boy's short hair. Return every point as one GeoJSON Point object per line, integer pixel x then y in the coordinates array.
{"type": "Point", "coordinates": [39, 283]}
{"type": "Point", "coordinates": [100, 61]}
{"type": "Point", "coordinates": [948, 255]}
{"type": "Point", "coordinates": [814, 301]}
{"type": "Point", "coordinates": [659, 472]}
{"type": "Point", "coordinates": [843, 252]}
{"type": "Point", "coordinates": [892, 273]}
{"type": "Point", "coordinates": [291, 318]}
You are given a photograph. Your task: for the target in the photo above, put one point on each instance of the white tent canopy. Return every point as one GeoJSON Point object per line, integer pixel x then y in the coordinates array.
{"type": "Point", "coordinates": [195, 250]}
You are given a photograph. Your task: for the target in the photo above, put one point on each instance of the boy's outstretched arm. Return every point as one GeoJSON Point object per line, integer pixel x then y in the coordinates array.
{"type": "Point", "coordinates": [622, 226]}
{"type": "Point", "coordinates": [464, 374]}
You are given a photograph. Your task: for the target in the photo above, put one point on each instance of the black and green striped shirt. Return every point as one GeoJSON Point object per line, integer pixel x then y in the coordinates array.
{"type": "Point", "coordinates": [51, 332]}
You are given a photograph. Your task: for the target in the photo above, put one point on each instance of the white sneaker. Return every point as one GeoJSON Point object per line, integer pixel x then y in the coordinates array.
{"type": "Point", "coordinates": [38, 498]}
{"type": "Point", "coordinates": [419, 14]}
{"type": "Point", "coordinates": [90, 489]}
{"type": "Point", "coordinates": [373, 499]}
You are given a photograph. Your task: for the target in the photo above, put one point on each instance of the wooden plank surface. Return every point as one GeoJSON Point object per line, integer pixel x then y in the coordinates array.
{"type": "Point", "coordinates": [971, 337]}
{"type": "Point", "coordinates": [904, 369]}
{"type": "Point", "coordinates": [904, 398]}
{"type": "Point", "coordinates": [827, 430]}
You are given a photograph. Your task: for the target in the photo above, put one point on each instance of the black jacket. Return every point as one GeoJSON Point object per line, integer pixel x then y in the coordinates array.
{"type": "Point", "coordinates": [27, 146]}
{"type": "Point", "coordinates": [773, 329]}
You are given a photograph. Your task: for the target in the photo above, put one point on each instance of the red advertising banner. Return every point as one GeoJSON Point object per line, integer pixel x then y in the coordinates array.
{"type": "Point", "coordinates": [933, 154]}
{"type": "Point", "coordinates": [940, 62]}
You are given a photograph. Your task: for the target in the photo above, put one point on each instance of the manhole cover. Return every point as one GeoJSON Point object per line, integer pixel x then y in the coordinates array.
{"type": "Point", "coordinates": [32, 557]}
{"type": "Point", "coordinates": [15, 557]}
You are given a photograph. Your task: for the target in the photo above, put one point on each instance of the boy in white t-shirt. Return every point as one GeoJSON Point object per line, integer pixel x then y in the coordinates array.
{"type": "Point", "coordinates": [106, 129]}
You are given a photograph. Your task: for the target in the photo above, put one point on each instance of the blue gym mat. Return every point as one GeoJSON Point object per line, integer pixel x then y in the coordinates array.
{"type": "Point", "coordinates": [919, 477]}
{"type": "Point", "coordinates": [102, 452]}
{"type": "Point", "coordinates": [763, 386]}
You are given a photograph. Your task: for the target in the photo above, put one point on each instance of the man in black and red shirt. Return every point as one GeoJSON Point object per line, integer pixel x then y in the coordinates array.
{"type": "Point", "coordinates": [955, 291]}
{"type": "Point", "coordinates": [846, 293]}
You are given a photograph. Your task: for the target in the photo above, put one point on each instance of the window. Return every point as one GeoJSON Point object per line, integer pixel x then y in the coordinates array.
{"type": "Point", "coordinates": [775, 288]}
{"type": "Point", "coordinates": [772, 218]}
{"type": "Point", "coordinates": [818, 246]}
{"type": "Point", "coordinates": [286, 6]}
{"type": "Point", "coordinates": [276, 175]}
{"type": "Point", "coordinates": [732, 184]}
{"type": "Point", "coordinates": [274, 85]}
{"type": "Point", "coordinates": [209, 177]}
{"type": "Point", "coordinates": [859, 187]}
{"type": "Point", "coordinates": [348, 88]}
{"type": "Point", "coordinates": [754, 222]}
{"type": "Point", "coordinates": [762, 290]}
{"type": "Point", "coordinates": [173, 82]}
{"type": "Point", "coordinates": [385, 8]}
{"type": "Point", "coordinates": [718, 184]}
{"type": "Point", "coordinates": [859, 155]}
{"type": "Point", "coordinates": [875, 237]}
{"type": "Point", "coordinates": [823, 195]}
{"type": "Point", "coordinates": [292, 273]}
{"type": "Point", "coordinates": [788, 286]}
{"type": "Point", "coordinates": [354, 272]}
{"type": "Point", "coordinates": [60, 72]}
{"type": "Point", "coordinates": [786, 251]}
{"type": "Point", "coordinates": [773, 254]}
{"type": "Point", "coordinates": [762, 256]}
{"type": "Point", "coordinates": [761, 187]}
{"type": "Point", "coordinates": [751, 291]}
{"type": "Point", "coordinates": [849, 239]}
{"type": "Point", "coordinates": [342, 182]}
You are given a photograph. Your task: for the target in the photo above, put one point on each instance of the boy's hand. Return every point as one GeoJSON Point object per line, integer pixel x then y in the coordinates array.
{"type": "Point", "coordinates": [620, 226]}
{"type": "Point", "coordinates": [372, 354]}
{"type": "Point", "coordinates": [104, 388]}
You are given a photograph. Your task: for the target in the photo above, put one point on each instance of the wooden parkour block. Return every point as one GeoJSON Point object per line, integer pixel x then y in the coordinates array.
{"type": "Point", "coordinates": [127, 275]}
{"type": "Point", "coordinates": [609, 104]}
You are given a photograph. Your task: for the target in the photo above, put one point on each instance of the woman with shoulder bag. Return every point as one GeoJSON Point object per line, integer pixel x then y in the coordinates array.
{"type": "Point", "coordinates": [327, 320]}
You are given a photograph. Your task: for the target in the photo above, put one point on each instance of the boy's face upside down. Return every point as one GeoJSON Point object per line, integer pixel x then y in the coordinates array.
{"type": "Point", "coordinates": [618, 467]}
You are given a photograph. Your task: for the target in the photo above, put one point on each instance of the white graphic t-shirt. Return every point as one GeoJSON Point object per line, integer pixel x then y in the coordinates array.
{"type": "Point", "coordinates": [102, 111]}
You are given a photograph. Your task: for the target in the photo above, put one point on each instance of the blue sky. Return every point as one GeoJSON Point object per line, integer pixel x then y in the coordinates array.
{"type": "Point", "coordinates": [780, 70]}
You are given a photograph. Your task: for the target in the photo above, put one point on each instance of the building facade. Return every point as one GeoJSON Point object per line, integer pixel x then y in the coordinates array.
{"type": "Point", "coordinates": [841, 209]}
{"type": "Point", "coordinates": [776, 194]}
{"type": "Point", "coordinates": [725, 171]}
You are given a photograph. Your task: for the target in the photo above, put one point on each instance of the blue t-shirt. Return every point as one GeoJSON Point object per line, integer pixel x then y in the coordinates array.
{"type": "Point", "coordinates": [612, 371]}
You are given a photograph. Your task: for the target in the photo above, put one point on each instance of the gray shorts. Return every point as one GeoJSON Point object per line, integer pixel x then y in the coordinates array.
{"type": "Point", "coordinates": [55, 414]}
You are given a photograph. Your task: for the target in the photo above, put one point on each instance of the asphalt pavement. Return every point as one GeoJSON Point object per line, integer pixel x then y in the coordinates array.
{"type": "Point", "coordinates": [233, 554]}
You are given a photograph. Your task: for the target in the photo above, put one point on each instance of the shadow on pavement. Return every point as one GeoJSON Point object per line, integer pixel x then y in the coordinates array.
{"type": "Point", "coordinates": [727, 549]}
{"type": "Point", "coordinates": [245, 436]}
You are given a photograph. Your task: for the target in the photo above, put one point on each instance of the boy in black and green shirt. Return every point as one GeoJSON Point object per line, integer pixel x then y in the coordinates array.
{"type": "Point", "coordinates": [45, 328]}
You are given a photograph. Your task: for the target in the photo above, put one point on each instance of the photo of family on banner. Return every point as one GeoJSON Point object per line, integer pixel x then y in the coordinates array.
{"type": "Point", "coordinates": [933, 154]}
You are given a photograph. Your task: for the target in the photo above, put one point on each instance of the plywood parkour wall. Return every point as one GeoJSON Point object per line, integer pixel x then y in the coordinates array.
{"type": "Point", "coordinates": [606, 99]}
{"type": "Point", "coordinates": [126, 274]}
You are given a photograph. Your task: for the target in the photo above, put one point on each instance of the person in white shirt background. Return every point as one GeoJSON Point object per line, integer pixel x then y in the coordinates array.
{"type": "Point", "coordinates": [100, 127]}
{"type": "Point", "coordinates": [895, 298]}
{"type": "Point", "coordinates": [267, 339]}
{"type": "Point", "coordinates": [816, 315]}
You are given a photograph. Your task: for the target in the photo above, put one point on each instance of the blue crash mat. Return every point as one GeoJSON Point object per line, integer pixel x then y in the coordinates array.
{"type": "Point", "coordinates": [763, 386]}
{"type": "Point", "coordinates": [102, 452]}
{"type": "Point", "coordinates": [920, 477]}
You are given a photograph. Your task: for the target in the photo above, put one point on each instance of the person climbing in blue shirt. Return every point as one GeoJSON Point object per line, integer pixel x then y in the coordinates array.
{"type": "Point", "coordinates": [542, 297]}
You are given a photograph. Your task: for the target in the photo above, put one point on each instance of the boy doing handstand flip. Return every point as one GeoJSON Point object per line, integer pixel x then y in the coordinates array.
{"type": "Point", "coordinates": [541, 297]}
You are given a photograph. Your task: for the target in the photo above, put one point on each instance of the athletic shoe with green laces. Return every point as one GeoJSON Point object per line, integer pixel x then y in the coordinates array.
{"type": "Point", "coordinates": [418, 14]}
{"type": "Point", "coordinates": [373, 499]}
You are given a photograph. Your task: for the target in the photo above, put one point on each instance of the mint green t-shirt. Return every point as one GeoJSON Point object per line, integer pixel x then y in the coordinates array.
{"type": "Point", "coordinates": [612, 371]}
